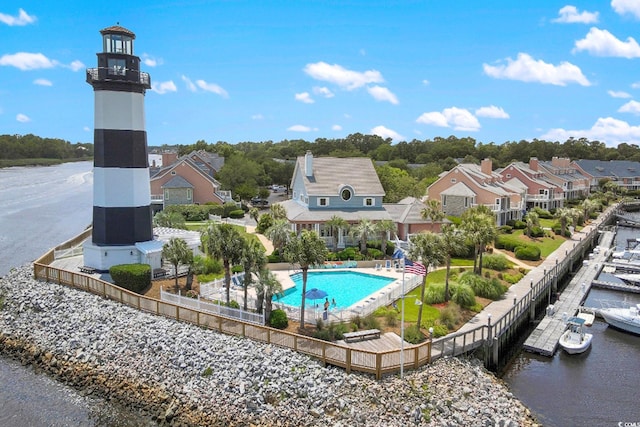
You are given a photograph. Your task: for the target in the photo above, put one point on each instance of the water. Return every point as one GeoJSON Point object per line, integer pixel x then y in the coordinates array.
{"type": "Point", "coordinates": [597, 388]}
{"type": "Point", "coordinates": [41, 207]}
{"type": "Point", "coordinates": [346, 287]}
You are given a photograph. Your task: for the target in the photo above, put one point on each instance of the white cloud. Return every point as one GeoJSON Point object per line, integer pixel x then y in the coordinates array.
{"type": "Point", "coordinates": [23, 18]}
{"type": "Point", "coordinates": [346, 79]}
{"type": "Point", "coordinates": [42, 82]}
{"type": "Point", "coordinates": [301, 128]}
{"type": "Point", "coordinates": [164, 87]}
{"type": "Point", "coordinates": [457, 118]}
{"type": "Point", "coordinates": [632, 107]}
{"type": "Point", "coordinates": [212, 87]}
{"type": "Point", "coordinates": [635, 85]}
{"type": "Point", "coordinates": [384, 132]}
{"type": "Point", "coordinates": [426, 82]}
{"type": "Point", "coordinates": [602, 43]}
{"type": "Point", "coordinates": [76, 65]}
{"type": "Point", "coordinates": [87, 129]}
{"type": "Point", "coordinates": [304, 97]}
{"type": "Point", "coordinates": [150, 61]}
{"type": "Point", "coordinates": [492, 112]}
{"type": "Point", "coordinates": [569, 15]}
{"type": "Point", "coordinates": [336, 127]}
{"type": "Point", "coordinates": [527, 69]}
{"type": "Point", "coordinates": [190, 86]}
{"type": "Point", "coordinates": [27, 61]}
{"type": "Point", "coordinates": [618, 94]}
{"type": "Point", "coordinates": [323, 91]}
{"type": "Point", "coordinates": [608, 130]}
{"type": "Point", "coordinates": [380, 93]}
{"type": "Point", "coordinates": [257, 117]}
{"type": "Point", "coordinates": [626, 6]}
{"type": "Point", "coordinates": [22, 118]}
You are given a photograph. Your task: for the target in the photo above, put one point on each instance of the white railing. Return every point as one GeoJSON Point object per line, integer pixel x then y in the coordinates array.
{"type": "Point", "coordinates": [217, 218]}
{"type": "Point", "coordinates": [210, 307]}
{"type": "Point", "coordinates": [66, 253]}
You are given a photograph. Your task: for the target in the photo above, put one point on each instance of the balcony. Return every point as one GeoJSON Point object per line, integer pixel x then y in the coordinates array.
{"type": "Point", "coordinates": [102, 74]}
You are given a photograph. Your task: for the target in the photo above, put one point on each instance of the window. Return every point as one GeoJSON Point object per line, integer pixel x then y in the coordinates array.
{"type": "Point", "coordinates": [173, 172]}
{"type": "Point", "coordinates": [345, 194]}
{"type": "Point", "coordinates": [466, 202]}
{"type": "Point", "coordinates": [453, 180]}
{"type": "Point", "coordinates": [117, 66]}
{"type": "Point", "coordinates": [508, 175]}
{"type": "Point", "coordinates": [369, 201]}
{"type": "Point", "coordinates": [166, 194]}
{"type": "Point", "coordinates": [189, 193]}
{"type": "Point", "coordinates": [323, 201]}
{"type": "Point", "coordinates": [444, 200]}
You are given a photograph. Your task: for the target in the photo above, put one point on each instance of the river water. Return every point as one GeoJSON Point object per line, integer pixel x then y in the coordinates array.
{"type": "Point", "coordinates": [600, 387]}
{"type": "Point", "coordinates": [41, 207]}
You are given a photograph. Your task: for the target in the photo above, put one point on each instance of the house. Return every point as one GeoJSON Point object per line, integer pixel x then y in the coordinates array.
{"type": "Point", "coordinates": [407, 214]}
{"type": "Point", "coordinates": [468, 185]}
{"type": "Point", "coordinates": [540, 191]}
{"type": "Point", "coordinates": [559, 170]}
{"type": "Point", "coordinates": [187, 180]}
{"type": "Point", "coordinates": [625, 173]}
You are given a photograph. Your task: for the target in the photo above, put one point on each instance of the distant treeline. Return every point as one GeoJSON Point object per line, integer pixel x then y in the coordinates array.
{"type": "Point", "coordinates": [437, 150]}
{"type": "Point", "coordinates": [19, 150]}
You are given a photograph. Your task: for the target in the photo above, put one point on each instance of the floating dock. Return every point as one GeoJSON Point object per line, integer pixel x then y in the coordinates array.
{"type": "Point", "coordinates": [623, 287]}
{"type": "Point", "coordinates": [544, 338]}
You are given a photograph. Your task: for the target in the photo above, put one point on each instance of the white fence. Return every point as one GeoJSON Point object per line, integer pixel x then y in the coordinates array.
{"type": "Point", "coordinates": [217, 218]}
{"type": "Point", "coordinates": [209, 307]}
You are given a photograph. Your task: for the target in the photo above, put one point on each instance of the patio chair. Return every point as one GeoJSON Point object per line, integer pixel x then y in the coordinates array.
{"type": "Point", "coordinates": [388, 264]}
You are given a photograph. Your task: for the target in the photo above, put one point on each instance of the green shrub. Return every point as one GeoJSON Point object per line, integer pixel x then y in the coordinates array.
{"type": "Point", "coordinates": [274, 257]}
{"type": "Point", "coordinates": [537, 231]}
{"type": "Point", "coordinates": [350, 253]}
{"type": "Point", "coordinates": [207, 371]}
{"type": "Point", "coordinates": [264, 223]}
{"type": "Point", "coordinates": [391, 318]}
{"type": "Point", "coordinates": [530, 253]}
{"type": "Point", "coordinates": [371, 322]}
{"type": "Point", "coordinates": [278, 319]}
{"type": "Point", "coordinates": [451, 315]}
{"type": "Point", "coordinates": [238, 213]}
{"type": "Point", "coordinates": [439, 330]}
{"type": "Point", "coordinates": [356, 321]}
{"type": "Point", "coordinates": [134, 277]}
{"type": "Point", "coordinates": [434, 293]}
{"type": "Point", "coordinates": [512, 278]}
{"type": "Point", "coordinates": [520, 225]}
{"type": "Point", "coordinates": [233, 304]}
{"type": "Point", "coordinates": [463, 295]}
{"type": "Point", "coordinates": [334, 331]}
{"type": "Point", "coordinates": [373, 253]}
{"type": "Point", "coordinates": [508, 242]}
{"type": "Point", "coordinates": [484, 288]}
{"type": "Point", "coordinates": [413, 334]}
{"type": "Point", "coordinates": [558, 231]}
{"type": "Point", "coordinates": [505, 229]}
{"type": "Point", "coordinates": [381, 311]}
{"type": "Point", "coordinates": [543, 214]}
{"type": "Point", "coordinates": [206, 265]}
{"type": "Point", "coordinates": [496, 262]}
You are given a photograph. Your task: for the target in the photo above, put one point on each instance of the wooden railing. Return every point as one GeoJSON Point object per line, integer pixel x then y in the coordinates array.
{"type": "Point", "coordinates": [372, 362]}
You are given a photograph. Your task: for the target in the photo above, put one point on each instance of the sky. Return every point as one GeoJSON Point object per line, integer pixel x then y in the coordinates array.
{"type": "Point", "coordinates": [270, 70]}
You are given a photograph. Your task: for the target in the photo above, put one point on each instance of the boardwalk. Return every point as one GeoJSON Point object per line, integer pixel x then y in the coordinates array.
{"type": "Point", "coordinates": [544, 339]}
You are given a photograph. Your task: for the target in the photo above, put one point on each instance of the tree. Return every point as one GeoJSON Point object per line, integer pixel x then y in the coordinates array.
{"type": "Point", "coordinates": [176, 252]}
{"type": "Point", "coordinates": [479, 226]}
{"type": "Point", "coordinates": [266, 287]}
{"type": "Point", "coordinates": [254, 214]}
{"type": "Point", "coordinates": [225, 242]}
{"type": "Point", "coordinates": [384, 228]}
{"type": "Point", "coordinates": [305, 249]}
{"type": "Point", "coordinates": [565, 217]}
{"type": "Point", "coordinates": [279, 233]}
{"type": "Point", "coordinates": [335, 224]}
{"type": "Point", "coordinates": [533, 220]}
{"type": "Point", "coordinates": [452, 239]}
{"type": "Point", "coordinates": [432, 211]}
{"type": "Point", "coordinates": [278, 211]}
{"type": "Point", "coordinates": [361, 231]}
{"type": "Point", "coordinates": [253, 259]}
{"type": "Point", "coordinates": [588, 206]}
{"type": "Point", "coordinates": [169, 219]}
{"type": "Point", "coordinates": [428, 248]}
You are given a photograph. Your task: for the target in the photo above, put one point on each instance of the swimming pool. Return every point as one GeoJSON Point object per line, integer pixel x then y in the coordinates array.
{"type": "Point", "coordinates": [346, 286]}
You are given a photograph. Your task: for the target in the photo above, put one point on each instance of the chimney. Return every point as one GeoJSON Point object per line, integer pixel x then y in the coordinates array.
{"type": "Point", "coordinates": [168, 158]}
{"type": "Point", "coordinates": [308, 164]}
{"type": "Point", "coordinates": [533, 164]}
{"type": "Point", "coordinates": [486, 166]}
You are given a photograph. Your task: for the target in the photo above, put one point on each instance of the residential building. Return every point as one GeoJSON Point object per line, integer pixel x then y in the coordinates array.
{"type": "Point", "coordinates": [407, 214]}
{"type": "Point", "coordinates": [625, 173]}
{"type": "Point", "coordinates": [469, 185]}
{"type": "Point", "coordinates": [540, 191]}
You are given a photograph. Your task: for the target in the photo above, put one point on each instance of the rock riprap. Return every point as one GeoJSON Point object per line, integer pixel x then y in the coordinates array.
{"type": "Point", "coordinates": [182, 374]}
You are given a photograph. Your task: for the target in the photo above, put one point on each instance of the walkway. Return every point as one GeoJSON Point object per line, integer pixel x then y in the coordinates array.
{"type": "Point", "coordinates": [268, 246]}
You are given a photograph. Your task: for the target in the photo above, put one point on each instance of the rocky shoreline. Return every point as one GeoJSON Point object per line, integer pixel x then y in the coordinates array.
{"type": "Point", "coordinates": [183, 375]}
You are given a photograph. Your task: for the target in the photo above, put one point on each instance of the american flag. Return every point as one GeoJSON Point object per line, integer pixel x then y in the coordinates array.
{"type": "Point", "coordinates": [414, 267]}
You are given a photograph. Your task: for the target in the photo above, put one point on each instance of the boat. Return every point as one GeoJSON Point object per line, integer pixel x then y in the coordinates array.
{"type": "Point", "coordinates": [625, 319]}
{"type": "Point", "coordinates": [586, 314]}
{"type": "Point", "coordinates": [574, 340]}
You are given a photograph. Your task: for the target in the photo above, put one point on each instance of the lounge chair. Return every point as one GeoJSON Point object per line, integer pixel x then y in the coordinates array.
{"type": "Point", "coordinates": [388, 265]}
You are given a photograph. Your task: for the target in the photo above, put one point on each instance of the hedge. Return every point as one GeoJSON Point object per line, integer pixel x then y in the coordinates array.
{"type": "Point", "coordinates": [530, 253]}
{"type": "Point", "coordinates": [134, 277]}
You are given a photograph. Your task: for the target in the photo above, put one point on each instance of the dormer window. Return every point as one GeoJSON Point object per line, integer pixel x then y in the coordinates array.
{"type": "Point", "coordinates": [346, 193]}
{"type": "Point", "coordinates": [323, 201]}
{"type": "Point", "coordinates": [369, 201]}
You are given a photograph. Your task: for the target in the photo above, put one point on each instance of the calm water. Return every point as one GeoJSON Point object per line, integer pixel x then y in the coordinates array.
{"type": "Point", "coordinates": [346, 287]}
{"type": "Point", "coordinates": [41, 207]}
{"type": "Point", "coordinates": [597, 388]}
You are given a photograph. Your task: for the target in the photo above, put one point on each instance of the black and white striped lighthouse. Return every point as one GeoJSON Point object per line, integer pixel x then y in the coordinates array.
{"type": "Point", "coordinates": [122, 216]}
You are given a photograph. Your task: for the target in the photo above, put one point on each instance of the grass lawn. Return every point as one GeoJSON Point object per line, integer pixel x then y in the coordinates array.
{"type": "Point", "coordinates": [546, 244]}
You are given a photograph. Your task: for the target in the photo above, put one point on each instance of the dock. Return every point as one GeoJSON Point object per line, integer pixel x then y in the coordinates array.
{"type": "Point", "coordinates": [544, 338]}
{"type": "Point", "coordinates": [623, 287]}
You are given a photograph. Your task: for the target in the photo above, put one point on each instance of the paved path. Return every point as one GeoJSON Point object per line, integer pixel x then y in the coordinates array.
{"type": "Point", "coordinates": [263, 239]}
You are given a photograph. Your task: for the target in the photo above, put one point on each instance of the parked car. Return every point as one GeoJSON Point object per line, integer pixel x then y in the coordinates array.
{"type": "Point", "coordinates": [258, 202]}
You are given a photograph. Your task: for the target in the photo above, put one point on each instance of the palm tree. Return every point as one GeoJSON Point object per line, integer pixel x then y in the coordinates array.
{"type": "Point", "coordinates": [254, 214]}
{"type": "Point", "coordinates": [384, 228]}
{"type": "Point", "coordinates": [362, 231]}
{"type": "Point", "coordinates": [278, 211]}
{"type": "Point", "coordinates": [428, 247]}
{"type": "Point", "coordinates": [533, 220]}
{"type": "Point", "coordinates": [305, 249]}
{"type": "Point", "coordinates": [266, 287]}
{"type": "Point", "coordinates": [279, 233]}
{"type": "Point", "coordinates": [176, 252]}
{"type": "Point", "coordinates": [223, 241]}
{"type": "Point", "coordinates": [565, 217]}
{"type": "Point", "coordinates": [335, 225]}
{"type": "Point", "coordinates": [253, 259]}
{"type": "Point", "coordinates": [588, 206]}
{"type": "Point", "coordinates": [432, 211]}
{"type": "Point", "coordinates": [169, 219]}
{"type": "Point", "coordinates": [453, 240]}
{"type": "Point", "coordinates": [479, 226]}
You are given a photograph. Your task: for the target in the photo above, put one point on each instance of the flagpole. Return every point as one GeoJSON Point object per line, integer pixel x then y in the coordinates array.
{"type": "Point", "coordinates": [402, 327]}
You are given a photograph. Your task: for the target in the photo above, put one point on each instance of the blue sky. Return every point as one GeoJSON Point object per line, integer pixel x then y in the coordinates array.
{"type": "Point", "coordinates": [271, 70]}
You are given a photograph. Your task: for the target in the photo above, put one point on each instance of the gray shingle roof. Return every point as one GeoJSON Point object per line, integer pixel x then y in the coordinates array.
{"type": "Point", "coordinates": [177, 182]}
{"type": "Point", "coordinates": [330, 173]}
{"type": "Point", "coordinates": [611, 168]}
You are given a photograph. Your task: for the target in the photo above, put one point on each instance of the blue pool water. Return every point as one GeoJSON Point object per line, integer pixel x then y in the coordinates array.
{"type": "Point", "coordinates": [346, 287]}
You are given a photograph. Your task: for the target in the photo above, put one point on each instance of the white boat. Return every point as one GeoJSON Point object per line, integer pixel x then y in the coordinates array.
{"type": "Point", "coordinates": [574, 340]}
{"type": "Point", "coordinates": [586, 314]}
{"type": "Point", "coordinates": [626, 319]}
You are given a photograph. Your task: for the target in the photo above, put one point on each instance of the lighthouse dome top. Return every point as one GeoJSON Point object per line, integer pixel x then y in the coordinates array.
{"type": "Point", "coordinates": [117, 29]}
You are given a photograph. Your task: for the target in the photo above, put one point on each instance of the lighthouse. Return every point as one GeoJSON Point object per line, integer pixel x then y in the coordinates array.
{"type": "Point", "coordinates": [122, 217]}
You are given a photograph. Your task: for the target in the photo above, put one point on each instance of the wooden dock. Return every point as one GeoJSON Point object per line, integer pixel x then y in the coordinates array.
{"type": "Point", "coordinates": [623, 287]}
{"type": "Point", "coordinates": [544, 339]}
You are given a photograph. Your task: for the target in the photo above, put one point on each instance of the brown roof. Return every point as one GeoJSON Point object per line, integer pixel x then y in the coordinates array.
{"type": "Point", "coordinates": [119, 30]}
